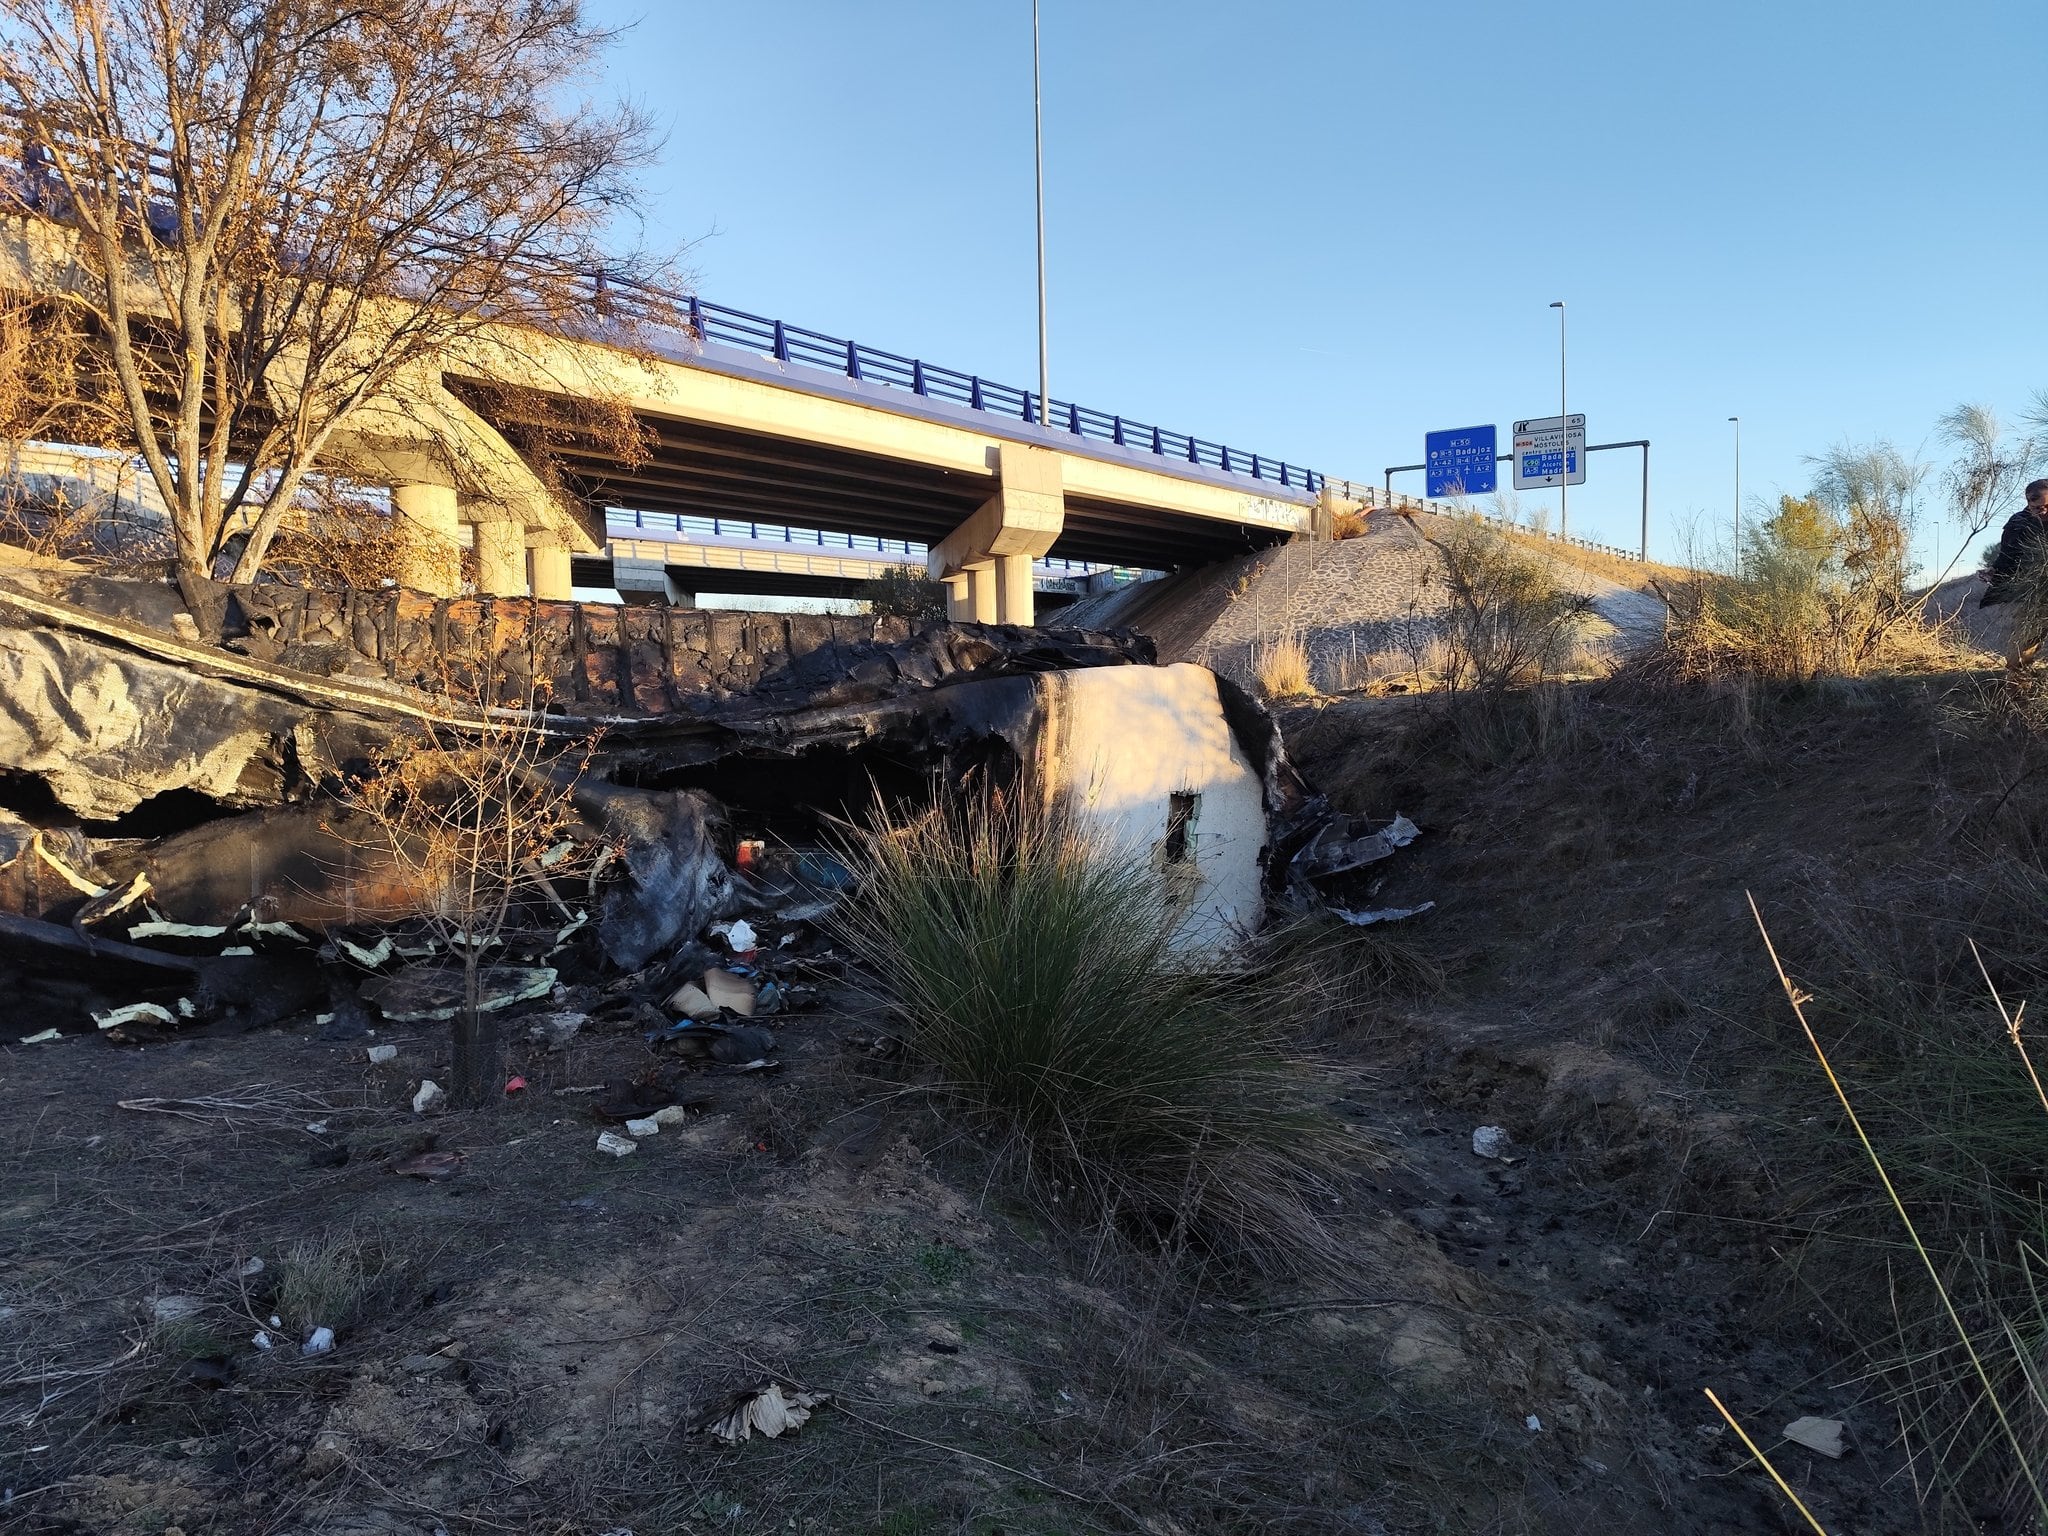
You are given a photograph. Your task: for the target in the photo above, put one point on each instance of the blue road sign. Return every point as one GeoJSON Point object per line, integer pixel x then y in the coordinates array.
{"type": "Point", "coordinates": [1461, 461]}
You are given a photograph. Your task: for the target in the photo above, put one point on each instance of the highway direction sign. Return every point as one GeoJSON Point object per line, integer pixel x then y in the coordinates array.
{"type": "Point", "coordinates": [1543, 452]}
{"type": "Point", "coordinates": [1460, 461]}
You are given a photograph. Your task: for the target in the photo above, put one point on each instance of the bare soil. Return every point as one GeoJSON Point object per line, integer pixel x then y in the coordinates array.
{"type": "Point", "coordinates": [526, 1345]}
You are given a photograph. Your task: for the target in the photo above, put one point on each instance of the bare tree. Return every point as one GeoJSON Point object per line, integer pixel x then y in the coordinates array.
{"type": "Point", "coordinates": [277, 210]}
{"type": "Point", "coordinates": [464, 828]}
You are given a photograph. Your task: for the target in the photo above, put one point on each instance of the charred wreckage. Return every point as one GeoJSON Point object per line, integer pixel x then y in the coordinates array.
{"type": "Point", "coordinates": [181, 837]}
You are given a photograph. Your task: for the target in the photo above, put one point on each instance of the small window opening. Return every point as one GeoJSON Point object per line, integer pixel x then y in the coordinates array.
{"type": "Point", "coordinates": [1180, 822]}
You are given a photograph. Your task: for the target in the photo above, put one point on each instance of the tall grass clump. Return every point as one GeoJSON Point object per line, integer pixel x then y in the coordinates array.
{"type": "Point", "coordinates": [1031, 969]}
{"type": "Point", "coordinates": [1925, 1202]}
{"type": "Point", "coordinates": [1283, 668]}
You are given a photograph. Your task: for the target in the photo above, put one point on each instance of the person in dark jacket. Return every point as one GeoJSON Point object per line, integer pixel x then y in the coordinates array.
{"type": "Point", "coordinates": [2018, 573]}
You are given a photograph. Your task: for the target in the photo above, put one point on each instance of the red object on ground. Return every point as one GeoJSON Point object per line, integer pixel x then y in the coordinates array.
{"type": "Point", "coordinates": [513, 1085]}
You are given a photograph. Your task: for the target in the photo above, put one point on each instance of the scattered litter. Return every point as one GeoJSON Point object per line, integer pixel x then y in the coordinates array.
{"type": "Point", "coordinates": [1380, 914]}
{"type": "Point", "coordinates": [135, 1013]}
{"type": "Point", "coordinates": [615, 1144]}
{"type": "Point", "coordinates": [1822, 1435]}
{"type": "Point", "coordinates": [175, 1309]}
{"type": "Point", "coordinates": [692, 1002]}
{"type": "Point", "coordinates": [238, 949]}
{"type": "Point", "coordinates": [263, 1340]}
{"type": "Point", "coordinates": [1491, 1141]}
{"type": "Point", "coordinates": [41, 1036]}
{"type": "Point", "coordinates": [277, 1322]}
{"type": "Point", "coordinates": [515, 1084]}
{"type": "Point", "coordinates": [319, 1342]}
{"type": "Point", "coordinates": [379, 1054]}
{"type": "Point", "coordinates": [316, 1127]}
{"type": "Point", "coordinates": [729, 991]}
{"type": "Point", "coordinates": [675, 1114]}
{"type": "Point", "coordinates": [1333, 851]}
{"type": "Point", "coordinates": [250, 1269]}
{"type": "Point", "coordinates": [771, 1409]}
{"type": "Point", "coordinates": [638, 1129]}
{"type": "Point", "coordinates": [322, 1020]}
{"type": "Point", "coordinates": [431, 1166]}
{"type": "Point", "coordinates": [430, 1096]}
{"type": "Point", "coordinates": [1533, 1424]}
{"type": "Point", "coordinates": [738, 934]}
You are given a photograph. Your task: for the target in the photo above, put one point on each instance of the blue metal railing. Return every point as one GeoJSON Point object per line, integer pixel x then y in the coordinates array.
{"type": "Point", "coordinates": [788, 343]}
{"type": "Point", "coordinates": [687, 525]}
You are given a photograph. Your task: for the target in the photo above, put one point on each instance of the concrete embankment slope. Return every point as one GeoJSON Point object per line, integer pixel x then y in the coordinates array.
{"type": "Point", "coordinates": [1364, 608]}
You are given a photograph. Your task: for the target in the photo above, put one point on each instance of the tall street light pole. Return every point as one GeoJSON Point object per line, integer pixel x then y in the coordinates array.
{"type": "Point", "coordinates": [1737, 420]}
{"type": "Point", "coordinates": [1038, 147]}
{"type": "Point", "coordinates": [1564, 436]}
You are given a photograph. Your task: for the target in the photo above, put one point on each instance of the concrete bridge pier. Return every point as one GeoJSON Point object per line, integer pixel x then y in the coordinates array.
{"type": "Point", "coordinates": [500, 557]}
{"type": "Point", "coordinates": [551, 579]}
{"type": "Point", "coordinates": [986, 561]}
{"type": "Point", "coordinates": [434, 548]}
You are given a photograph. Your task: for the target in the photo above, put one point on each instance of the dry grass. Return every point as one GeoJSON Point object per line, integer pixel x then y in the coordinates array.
{"type": "Point", "coordinates": [1282, 668]}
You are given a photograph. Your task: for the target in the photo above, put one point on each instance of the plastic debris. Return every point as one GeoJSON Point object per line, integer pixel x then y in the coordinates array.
{"type": "Point", "coordinates": [1822, 1435]}
{"type": "Point", "coordinates": [424, 993]}
{"type": "Point", "coordinates": [41, 1036]}
{"type": "Point", "coordinates": [1533, 1424]}
{"type": "Point", "coordinates": [772, 1409]}
{"type": "Point", "coordinates": [379, 1054]}
{"type": "Point", "coordinates": [515, 1085]}
{"type": "Point", "coordinates": [1491, 1141]}
{"type": "Point", "coordinates": [615, 1144]}
{"type": "Point", "coordinates": [135, 1013]}
{"type": "Point", "coordinates": [738, 934]}
{"type": "Point", "coordinates": [431, 1095]}
{"type": "Point", "coordinates": [263, 1340]}
{"type": "Point", "coordinates": [729, 991]}
{"type": "Point", "coordinates": [638, 1129]}
{"type": "Point", "coordinates": [250, 1269]}
{"type": "Point", "coordinates": [373, 957]}
{"type": "Point", "coordinates": [1380, 914]}
{"type": "Point", "coordinates": [163, 930]}
{"type": "Point", "coordinates": [319, 1342]}
{"type": "Point", "coordinates": [675, 1114]}
{"type": "Point", "coordinates": [175, 1309]}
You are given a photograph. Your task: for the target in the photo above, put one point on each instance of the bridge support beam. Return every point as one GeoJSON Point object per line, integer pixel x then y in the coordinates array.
{"type": "Point", "coordinates": [500, 559]}
{"type": "Point", "coordinates": [986, 561]}
{"type": "Point", "coordinates": [551, 578]}
{"type": "Point", "coordinates": [433, 549]}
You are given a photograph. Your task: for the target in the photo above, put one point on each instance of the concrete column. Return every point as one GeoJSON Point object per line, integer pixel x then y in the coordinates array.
{"type": "Point", "coordinates": [500, 559]}
{"type": "Point", "coordinates": [1015, 598]}
{"type": "Point", "coordinates": [432, 543]}
{"type": "Point", "coordinates": [994, 548]}
{"type": "Point", "coordinates": [981, 592]}
{"type": "Point", "coordinates": [959, 599]}
{"type": "Point", "coordinates": [551, 578]}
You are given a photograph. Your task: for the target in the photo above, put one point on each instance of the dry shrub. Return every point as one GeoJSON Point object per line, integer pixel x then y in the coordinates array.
{"type": "Point", "coordinates": [1818, 593]}
{"type": "Point", "coordinates": [344, 540]}
{"type": "Point", "coordinates": [1134, 1090]}
{"type": "Point", "coordinates": [1349, 525]}
{"type": "Point", "coordinates": [1506, 622]}
{"type": "Point", "coordinates": [1283, 668]}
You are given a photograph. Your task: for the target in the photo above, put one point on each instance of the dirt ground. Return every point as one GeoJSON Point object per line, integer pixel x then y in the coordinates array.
{"type": "Point", "coordinates": [527, 1344]}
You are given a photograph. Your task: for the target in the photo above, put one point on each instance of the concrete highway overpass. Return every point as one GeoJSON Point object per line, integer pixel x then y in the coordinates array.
{"type": "Point", "coordinates": [738, 415]}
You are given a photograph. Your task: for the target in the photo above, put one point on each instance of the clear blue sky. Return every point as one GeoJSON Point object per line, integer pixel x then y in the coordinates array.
{"type": "Point", "coordinates": [1317, 230]}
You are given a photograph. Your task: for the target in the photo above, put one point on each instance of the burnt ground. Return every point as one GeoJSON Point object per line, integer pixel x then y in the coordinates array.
{"type": "Point", "coordinates": [525, 1345]}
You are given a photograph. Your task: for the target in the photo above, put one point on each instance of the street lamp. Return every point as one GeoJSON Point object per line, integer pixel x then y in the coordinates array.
{"type": "Point", "coordinates": [1038, 149]}
{"type": "Point", "coordinates": [1564, 436]}
{"type": "Point", "coordinates": [1737, 420]}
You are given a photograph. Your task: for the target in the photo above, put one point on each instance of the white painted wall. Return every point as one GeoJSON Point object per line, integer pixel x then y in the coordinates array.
{"type": "Point", "coordinates": [1120, 742]}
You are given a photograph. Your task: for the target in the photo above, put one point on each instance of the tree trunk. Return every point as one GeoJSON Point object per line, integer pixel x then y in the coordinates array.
{"type": "Point", "coordinates": [477, 1062]}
